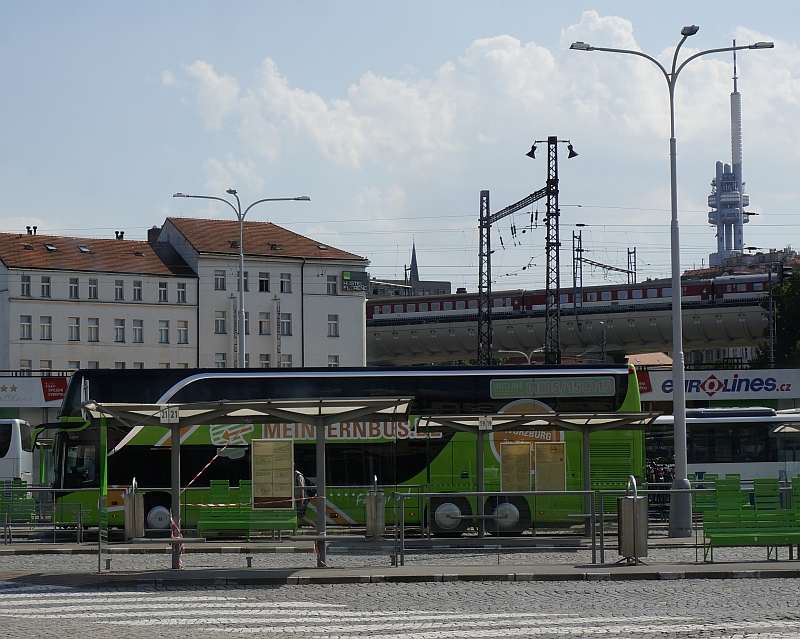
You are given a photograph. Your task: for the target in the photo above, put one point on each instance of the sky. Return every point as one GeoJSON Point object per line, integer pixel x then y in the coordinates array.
{"type": "Point", "coordinates": [392, 117]}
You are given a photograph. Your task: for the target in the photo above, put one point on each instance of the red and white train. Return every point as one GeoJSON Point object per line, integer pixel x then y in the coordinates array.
{"type": "Point", "coordinates": [652, 293]}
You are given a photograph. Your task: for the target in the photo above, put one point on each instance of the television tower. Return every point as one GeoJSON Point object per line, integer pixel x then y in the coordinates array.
{"type": "Point", "coordinates": [727, 189]}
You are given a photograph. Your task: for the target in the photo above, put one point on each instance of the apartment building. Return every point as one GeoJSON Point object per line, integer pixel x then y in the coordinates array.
{"type": "Point", "coordinates": [70, 303]}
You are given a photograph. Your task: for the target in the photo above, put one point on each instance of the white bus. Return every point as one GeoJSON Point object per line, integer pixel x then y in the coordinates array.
{"type": "Point", "coordinates": [751, 442]}
{"type": "Point", "coordinates": [16, 453]}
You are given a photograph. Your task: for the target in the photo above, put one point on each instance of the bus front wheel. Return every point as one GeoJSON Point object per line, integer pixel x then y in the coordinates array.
{"type": "Point", "coordinates": [450, 515]}
{"type": "Point", "coordinates": [513, 515]}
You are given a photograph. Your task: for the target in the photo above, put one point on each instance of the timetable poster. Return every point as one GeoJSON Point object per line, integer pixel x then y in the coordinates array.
{"type": "Point", "coordinates": [515, 466]}
{"type": "Point", "coordinates": [273, 473]}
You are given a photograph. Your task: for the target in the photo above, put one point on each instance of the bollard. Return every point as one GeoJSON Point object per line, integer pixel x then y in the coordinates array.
{"type": "Point", "coordinates": [108, 564]}
{"type": "Point", "coordinates": [249, 562]}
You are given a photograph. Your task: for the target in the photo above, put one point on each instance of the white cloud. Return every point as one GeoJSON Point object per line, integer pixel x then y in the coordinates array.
{"type": "Point", "coordinates": [222, 175]}
{"type": "Point", "coordinates": [167, 79]}
{"type": "Point", "coordinates": [216, 94]}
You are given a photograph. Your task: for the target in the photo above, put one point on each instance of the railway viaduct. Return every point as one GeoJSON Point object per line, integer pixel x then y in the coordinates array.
{"type": "Point", "coordinates": [627, 330]}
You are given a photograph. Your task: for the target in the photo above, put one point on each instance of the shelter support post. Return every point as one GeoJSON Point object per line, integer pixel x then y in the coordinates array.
{"type": "Point", "coordinates": [481, 484]}
{"type": "Point", "coordinates": [175, 458]}
{"type": "Point", "coordinates": [321, 502]}
{"type": "Point", "coordinates": [587, 479]}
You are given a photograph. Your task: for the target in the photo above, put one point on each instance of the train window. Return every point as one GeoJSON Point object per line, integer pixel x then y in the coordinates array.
{"type": "Point", "coordinates": [666, 292]}
{"type": "Point", "coordinates": [591, 297]}
{"type": "Point", "coordinates": [622, 295]}
{"type": "Point", "coordinates": [605, 296]}
{"type": "Point", "coordinates": [741, 288]}
{"type": "Point", "coordinates": [436, 306]}
{"type": "Point", "coordinates": [564, 298]}
{"type": "Point", "coordinates": [508, 301]}
{"type": "Point", "coordinates": [448, 306]}
{"type": "Point", "coordinates": [412, 308]}
{"type": "Point", "coordinates": [423, 306]}
{"type": "Point", "coordinates": [387, 308]}
{"type": "Point", "coordinates": [636, 294]}
{"type": "Point", "coordinates": [473, 303]}
{"type": "Point", "coordinates": [758, 286]}
{"type": "Point", "coordinates": [728, 288]}
{"type": "Point", "coordinates": [578, 297]}
{"type": "Point", "coordinates": [460, 305]}
{"type": "Point", "coordinates": [652, 292]}
{"type": "Point", "coordinates": [398, 308]}
{"type": "Point", "coordinates": [497, 302]}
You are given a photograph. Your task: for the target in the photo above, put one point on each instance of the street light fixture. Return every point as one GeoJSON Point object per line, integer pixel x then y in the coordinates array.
{"type": "Point", "coordinates": [680, 521]}
{"type": "Point", "coordinates": [527, 356]}
{"type": "Point", "coordinates": [240, 216]}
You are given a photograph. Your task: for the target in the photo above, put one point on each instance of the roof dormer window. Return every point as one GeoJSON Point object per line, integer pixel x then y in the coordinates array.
{"type": "Point", "coordinates": [51, 247]}
{"type": "Point", "coordinates": [84, 249]}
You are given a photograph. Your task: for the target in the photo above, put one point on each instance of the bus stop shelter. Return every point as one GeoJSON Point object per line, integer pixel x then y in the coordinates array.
{"type": "Point", "coordinates": [318, 412]}
{"type": "Point", "coordinates": [584, 423]}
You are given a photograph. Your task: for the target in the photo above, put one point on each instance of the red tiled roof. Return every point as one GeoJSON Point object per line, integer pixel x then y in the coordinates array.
{"type": "Point", "coordinates": [116, 256]}
{"type": "Point", "coordinates": [260, 238]}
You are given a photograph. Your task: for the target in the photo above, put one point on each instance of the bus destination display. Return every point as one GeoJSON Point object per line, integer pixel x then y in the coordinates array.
{"type": "Point", "coordinates": [552, 387]}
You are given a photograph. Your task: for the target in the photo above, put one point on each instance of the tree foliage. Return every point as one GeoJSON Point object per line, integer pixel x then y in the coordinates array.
{"type": "Point", "coordinates": [786, 310]}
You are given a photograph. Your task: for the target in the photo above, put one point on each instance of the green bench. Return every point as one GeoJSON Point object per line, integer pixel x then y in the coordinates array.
{"type": "Point", "coordinates": [770, 528]}
{"type": "Point", "coordinates": [240, 518]}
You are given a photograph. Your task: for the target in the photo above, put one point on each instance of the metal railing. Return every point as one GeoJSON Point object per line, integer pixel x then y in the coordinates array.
{"type": "Point", "coordinates": [399, 540]}
{"type": "Point", "coordinates": [27, 509]}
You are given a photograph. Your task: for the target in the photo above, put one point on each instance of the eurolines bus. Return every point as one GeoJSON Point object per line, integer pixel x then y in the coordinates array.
{"type": "Point", "coordinates": [16, 452]}
{"type": "Point", "coordinates": [403, 459]}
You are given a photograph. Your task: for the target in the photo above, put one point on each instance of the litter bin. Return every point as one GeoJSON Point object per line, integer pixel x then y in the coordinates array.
{"type": "Point", "coordinates": [376, 512]}
{"type": "Point", "coordinates": [134, 513]}
{"type": "Point", "coordinates": [632, 524]}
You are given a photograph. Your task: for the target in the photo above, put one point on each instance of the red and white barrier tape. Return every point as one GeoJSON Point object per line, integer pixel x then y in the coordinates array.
{"type": "Point", "coordinates": [175, 533]}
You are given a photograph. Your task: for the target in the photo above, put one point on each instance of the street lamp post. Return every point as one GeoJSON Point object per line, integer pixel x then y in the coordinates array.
{"type": "Point", "coordinates": [680, 521]}
{"type": "Point", "coordinates": [240, 216]}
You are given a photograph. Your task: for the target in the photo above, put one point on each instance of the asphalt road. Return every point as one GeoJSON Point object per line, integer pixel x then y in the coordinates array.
{"type": "Point", "coordinates": [695, 608]}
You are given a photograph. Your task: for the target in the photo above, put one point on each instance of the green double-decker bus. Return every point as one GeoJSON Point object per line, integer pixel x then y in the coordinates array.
{"type": "Point", "coordinates": [394, 450]}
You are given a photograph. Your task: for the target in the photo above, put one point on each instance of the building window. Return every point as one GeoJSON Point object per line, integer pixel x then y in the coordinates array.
{"type": "Point", "coordinates": [219, 280]}
{"type": "Point", "coordinates": [163, 331]}
{"type": "Point", "coordinates": [119, 365]}
{"type": "Point", "coordinates": [162, 292]}
{"type": "Point", "coordinates": [247, 323]}
{"type": "Point", "coordinates": [45, 286]}
{"type": "Point", "coordinates": [332, 285]}
{"type": "Point", "coordinates": [183, 331]}
{"type": "Point", "coordinates": [263, 323]}
{"type": "Point", "coordinates": [219, 360]}
{"type": "Point", "coordinates": [93, 327]}
{"type": "Point", "coordinates": [333, 361]}
{"type": "Point", "coordinates": [92, 289]}
{"type": "Point", "coordinates": [286, 323]}
{"type": "Point", "coordinates": [25, 327]}
{"type": "Point", "coordinates": [45, 364]}
{"type": "Point", "coordinates": [25, 364]}
{"type": "Point", "coordinates": [263, 282]}
{"type": "Point", "coordinates": [119, 330]}
{"type": "Point", "coordinates": [181, 292]}
{"type": "Point", "coordinates": [73, 366]}
{"type": "Point", "coordinates": [138, 331]}
{"type": "Point", "coordinates": [219, 322]}
{"type": "Point", "coordinates": [163, 365]}
{"type": "Point", "coordinates": [286, 361]}
{"type": "Point", "coordinates": [73, 288]}
{"type": "Point", "coordinates": [119, 290]}
{"type": "Point", "coordinates": [247, 360]}
{"type": "Point", "coordinates": [333, 326]}
{"type": "Point", "coordinates": [246, 282]}
{"type": "Point", "coordinates": [286, 282]}
{"type": "Point", "coordinates": [138, 365]}
{"type": "Point", "coordinates": [263, 360]}
{"type": "Point", "coordinates": [183, 365]}
{"type": "Point", "coordinates": [92, 365]}
{"type": "Point", "coordinates": [137, 290]}
{"type": "Point", "coordinates": [25, 286]}
{"type": "Point", "coordinates": [45, 327]}
{"type": "Point", "coordinates": [74, 329]}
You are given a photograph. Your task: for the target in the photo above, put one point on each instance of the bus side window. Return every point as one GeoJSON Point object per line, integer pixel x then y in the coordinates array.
{"type": "Point", "coordinates": [80, 469]}
{"type": "Point", "coordinates": [5, 439]}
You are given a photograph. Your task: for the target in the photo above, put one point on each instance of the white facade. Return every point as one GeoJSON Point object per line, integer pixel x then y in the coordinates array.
{"type": "Point", "coordinates": [59, 314]}
{"type": "Point", "coordinates": [60, 333]}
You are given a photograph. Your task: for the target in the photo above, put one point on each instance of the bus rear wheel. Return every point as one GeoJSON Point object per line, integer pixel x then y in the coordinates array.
{"type": "Point", "coordinates": [156, 511]}
{"type": "Point", "coordinates": [513, 515]}
{"type": "Point", "coordinates": [447, 515]}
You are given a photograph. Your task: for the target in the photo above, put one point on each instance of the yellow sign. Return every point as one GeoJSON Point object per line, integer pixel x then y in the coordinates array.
{"type": "Point", "coordinates": [551, 467]}
{"type": "Point", "coordinates": [273, 473]}
{"type": "Point", "coordinates": [515, 466]}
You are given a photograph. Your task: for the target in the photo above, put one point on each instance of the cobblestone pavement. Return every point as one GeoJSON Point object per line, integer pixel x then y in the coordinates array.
{"type": "Point", "coordinates": [234, 558]}
{"type": "Point", "coordinates": [697, 608]}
